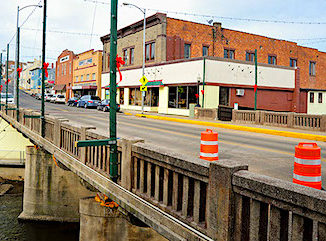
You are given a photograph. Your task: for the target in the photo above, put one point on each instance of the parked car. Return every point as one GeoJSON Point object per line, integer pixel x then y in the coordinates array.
{"type": "Point", "coordinates": [105, 105]}
{"type": "Point", "coordinates": [38, 96]}
{"type": "Point", "coordinates": [52, 99]}
{"type": "Point", "coordinates": [88, 101]}
{"type": "Point", "coordinates": [9, 96]}
{"type": "Point", "coordinates": [73, 101]}
{"type": "Point", "coordinates": [60, 99]}
{"type": "Point", "coordinates": [47, 97]}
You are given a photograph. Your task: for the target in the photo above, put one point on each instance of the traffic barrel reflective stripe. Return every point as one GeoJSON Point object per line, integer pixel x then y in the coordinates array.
{"type": "Point", "coordinates": [209, 145]}
{"type": "Point", "coordinates": [307, 165]}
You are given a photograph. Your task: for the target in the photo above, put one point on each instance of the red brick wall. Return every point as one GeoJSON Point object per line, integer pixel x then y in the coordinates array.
{"type": "Point", "coordinates": [65, 79]}
{"type": "Point", "coordinates": [274, 100]}
{"type": "Point", "coordinates": [180, 32]}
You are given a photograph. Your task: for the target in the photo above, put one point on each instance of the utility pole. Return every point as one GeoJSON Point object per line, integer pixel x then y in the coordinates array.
{"type": "Point", "coordinates": [113, 91]}
{"type": "Point", "coordinates": [43, 70]}
{"type": "Point", "coordinates": [7, 77]}
{"type": "Point", "coordinates": [17, 74]}
{"type": "Point", "coordinates": [255, 88]}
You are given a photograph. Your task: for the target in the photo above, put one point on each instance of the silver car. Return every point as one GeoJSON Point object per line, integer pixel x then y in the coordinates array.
{"type": "Point", "coordinates": [10, 98]}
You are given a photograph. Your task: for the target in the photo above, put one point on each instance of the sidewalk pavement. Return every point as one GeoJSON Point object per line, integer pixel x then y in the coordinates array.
{"type": "Point", "coordinates": [271, 130]}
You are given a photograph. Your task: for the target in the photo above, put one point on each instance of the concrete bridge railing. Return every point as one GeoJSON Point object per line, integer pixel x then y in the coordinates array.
{"type": "Point", "coordinates": [207, 200]}
{"type": "Point", "coordinates": [281, 119]}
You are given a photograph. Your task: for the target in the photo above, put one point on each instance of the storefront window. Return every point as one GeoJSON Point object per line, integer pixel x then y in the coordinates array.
{"type": "Point", "coordinates": [122, 92]}
{"type": "Point", "coordinates": [134, 96]}
{"type": "Point", "coordinates": [181, 96]}
{"type": "Point", "coordinates": [152, 97]}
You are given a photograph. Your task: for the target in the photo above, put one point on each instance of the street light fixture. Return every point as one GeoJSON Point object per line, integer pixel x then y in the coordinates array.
{"type": "Point", "coordinates": [16, 90]}
{"type": "Point", "coordinates": [143, 10]}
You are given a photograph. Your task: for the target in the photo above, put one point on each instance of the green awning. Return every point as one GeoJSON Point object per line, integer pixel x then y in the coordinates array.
{"type": "Point", "coordinates": [154, 83]}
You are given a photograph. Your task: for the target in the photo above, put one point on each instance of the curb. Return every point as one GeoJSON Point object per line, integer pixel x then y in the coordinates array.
{"type": "Point", "coordinates": [235, 127]}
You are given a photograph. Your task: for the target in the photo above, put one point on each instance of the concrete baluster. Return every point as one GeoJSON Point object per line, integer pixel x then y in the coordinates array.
{"type": "Point", "coordinates": [126, 161]}
{"type": "Point", "coordinates": [221, 198]}
{"type": "Point", "coordinates": [83, 136]}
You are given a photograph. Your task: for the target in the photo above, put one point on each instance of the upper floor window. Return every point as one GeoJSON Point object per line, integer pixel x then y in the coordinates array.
{"type": "Point", "coordinates": [132, 54]}
{"type": "Point", "coordinates": [76, 78]}
{"type": "Point", "coordinates": [65, 69]}
{"type": "Point", "coordinates": [320, 97]}
{"type": "Point", "coordinates": [293, 62]}
{"type": "Point", "coordinates": [125, 55]}
{"type": "Point", "coordinates": [87, 77]}
{"type": "Point", "coordinates": [312, 68]}
{"type": "Point", "coordinates": [272, 59]}
{"type": "Point", "coordinates": [187, 51]}
{"type": "Point", "coordinates": [229, 53]}
{"type": "Point", "coordinates": [250, 56]}
{"type": "Point", "coordinates": [82, 78]}
{"type": "Point", "coordinates": [150, 51]}
{"type": "Point", "coordinates": [205, 50]}
{"type": "Point", "coordinates": [312, 97]}
{"type": "Point", "coordinates": [93, 76]}
{"type": "Point", "coordinates": [69, 68]}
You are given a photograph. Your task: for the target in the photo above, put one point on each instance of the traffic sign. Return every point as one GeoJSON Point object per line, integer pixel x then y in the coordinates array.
{"type": "Point", "coordinates": [143, 80]}
{"type": "Point", "coordinates": [143, 88]}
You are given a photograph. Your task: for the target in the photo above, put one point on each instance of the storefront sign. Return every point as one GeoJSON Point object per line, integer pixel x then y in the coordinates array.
{"type": "Point", "coordinates": [85, 62]}
{"type": "Point", "coordinates": [64, 59]}
{"type": "Point", "coordinates": [143, 88]}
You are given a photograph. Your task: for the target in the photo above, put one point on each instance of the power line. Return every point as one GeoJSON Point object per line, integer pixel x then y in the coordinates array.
{"type": "Point", "coordinates": [63, 32]}
{"type": "Point", "coordinates": [94, 14]}
{"type": "Point", "coordinates": [225, 17]}
{"type": "Point", "coordinates": [92, 1]}
{"type": "Point", "coordinates": [31, 13]}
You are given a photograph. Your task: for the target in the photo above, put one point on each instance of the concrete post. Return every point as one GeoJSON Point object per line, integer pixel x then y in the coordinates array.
{"type": "Point", "coordinates": [220, 198]}
{"type": "Point", "coordinates": [98, 223]}
{"type": "Point", "coordinates": [57, 131]}
{"type": "Point", "coordinates": [257, 117]}
{"type": "Point", "coordinates": [323, 123]}
{"type": "Point", "coordinates": [83, 136]}
{"type": "Point", "coordinates": [126, 169]}
{"type": "Point", "coordinates": [290, 120]}
{"type": "Point", "coordinates": [50, 192]}
{"type": "Point", "coordinates": [192, 110]}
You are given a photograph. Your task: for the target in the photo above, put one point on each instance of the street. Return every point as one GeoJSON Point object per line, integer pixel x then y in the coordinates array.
{"type": "Point", "coordinates": [265, 154]}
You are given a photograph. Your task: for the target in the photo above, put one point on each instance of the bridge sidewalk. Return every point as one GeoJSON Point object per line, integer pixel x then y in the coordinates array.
{"type": "Point", "coordinates": [264, 129]}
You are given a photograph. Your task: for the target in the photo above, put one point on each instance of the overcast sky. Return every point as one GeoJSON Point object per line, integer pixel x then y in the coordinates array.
{"type": "Point", "coordinates": [77, 16]}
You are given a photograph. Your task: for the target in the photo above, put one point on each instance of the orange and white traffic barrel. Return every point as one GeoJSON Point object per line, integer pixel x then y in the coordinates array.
{"type": "Point", "coordinates": [307, 165]}
{"type": "Point", "coordinates": [209, 145]}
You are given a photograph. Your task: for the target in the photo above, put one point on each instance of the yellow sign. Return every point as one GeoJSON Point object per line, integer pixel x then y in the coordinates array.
{"type": "Point", "coordinates": [143, 88]}
{"type": "Point", "coordinates": [143, 80]}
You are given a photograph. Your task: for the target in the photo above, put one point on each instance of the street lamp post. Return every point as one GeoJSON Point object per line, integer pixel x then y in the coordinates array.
{"type": "Point", "coordinates": [16, 88]}
{"type": "Point", "coordinates": [43, 69]}
{"type": "Point", "coordinates": [143, 10]}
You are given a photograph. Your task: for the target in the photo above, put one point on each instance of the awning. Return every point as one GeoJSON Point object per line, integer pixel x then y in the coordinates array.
{"type": "Point", "coordinates": [154, 83]}
{"type": "Point", "coordinates": [59, 87]}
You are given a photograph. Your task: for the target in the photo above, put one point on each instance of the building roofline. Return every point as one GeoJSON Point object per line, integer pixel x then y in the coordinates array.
{"type": "Point", "coordinates": [150, 21]}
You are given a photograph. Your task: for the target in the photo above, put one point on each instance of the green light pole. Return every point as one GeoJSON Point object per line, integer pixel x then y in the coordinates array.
{"type": "Point", "coordinates": [43, 70]}
{"type": "Point", "coordinates": [113, 91]}
{"type": "Point", "coordinates": [17, 74]}
{"type": "Point", "coordinates": [255, 79]}
{"type": "Point", "coordinates": [7, 77]}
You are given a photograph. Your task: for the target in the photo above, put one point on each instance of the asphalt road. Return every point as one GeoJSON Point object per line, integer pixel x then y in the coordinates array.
{"type": "Point", "coordinates": [265, 154]}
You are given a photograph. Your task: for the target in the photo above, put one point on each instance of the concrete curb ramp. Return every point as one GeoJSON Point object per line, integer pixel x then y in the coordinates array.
{"type": "Point", "coordinates": [236, 127]}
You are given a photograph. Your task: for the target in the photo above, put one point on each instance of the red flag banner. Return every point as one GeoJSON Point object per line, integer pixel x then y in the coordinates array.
{"type": "Point", "coordinates": [45, 67]}
{"type": "Point", "coordinates": [19, 70]}
{"type": "Point", "coordinates": [7, 82]}
{"type": "Point", "coordinates": [120, 62]}
{"type": "Point", "coordinates": [255, 88]}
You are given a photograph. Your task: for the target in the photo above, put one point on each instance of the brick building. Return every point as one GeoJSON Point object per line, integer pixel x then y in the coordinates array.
{"type": "Point", "coordinates": [64, 73]}
{"type": "Point", "coordinates": [87, 69]}
{"type": "Point", "coordinates": [174, 40]}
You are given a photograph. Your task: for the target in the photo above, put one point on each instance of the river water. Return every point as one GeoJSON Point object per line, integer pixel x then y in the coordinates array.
{"type": "Point", "coordinates": [12, 229]}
